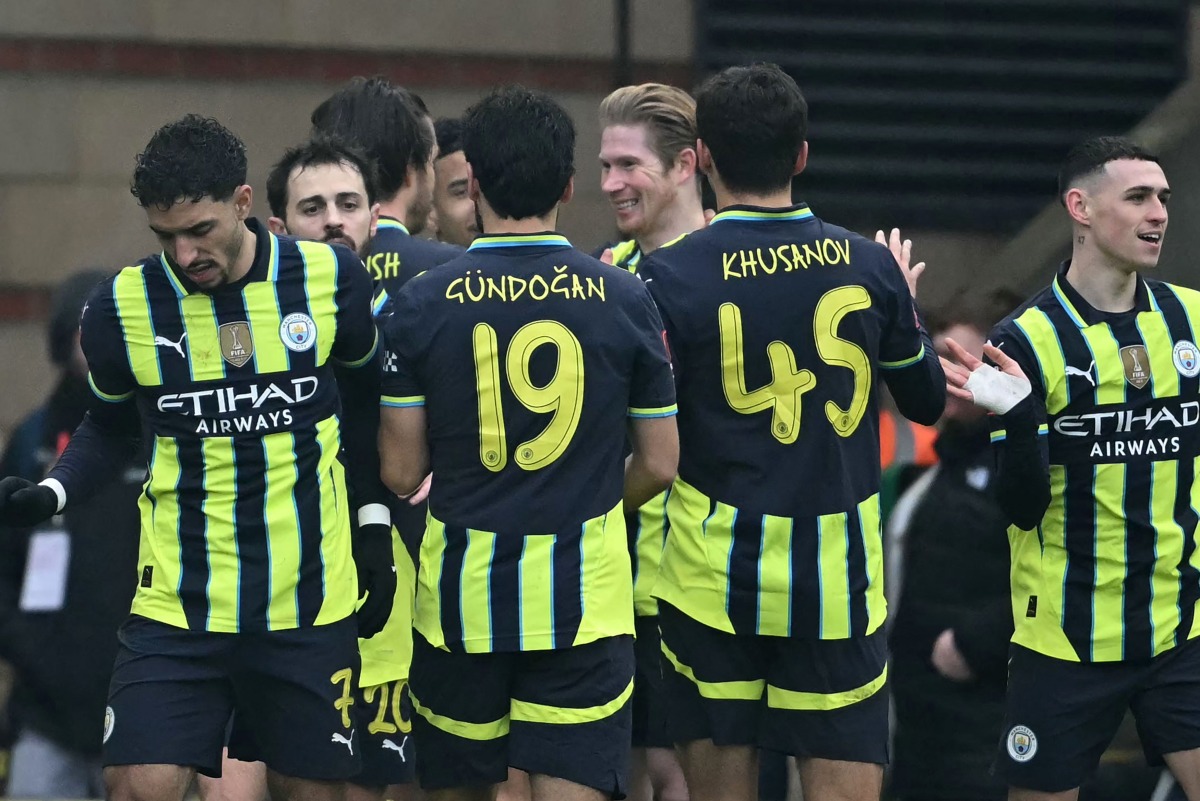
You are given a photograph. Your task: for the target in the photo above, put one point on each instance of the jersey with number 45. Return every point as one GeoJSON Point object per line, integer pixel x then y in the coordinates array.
{"type": "Point", "coordinates": [781, 327]}
{"type": "Point", "coordinates": [530, 358]}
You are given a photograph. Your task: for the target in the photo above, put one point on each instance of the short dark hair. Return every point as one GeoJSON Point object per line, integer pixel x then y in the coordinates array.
{"type": "Point", "coordinates": [390, 124]}
{"type": "Point", "coordinates": [1088, 158]}
{"type": "Point", "coordinates": [520, 144]}
{"type": "Point", "coordinates": [315, 152]}
{"type": "Point", "coordinates": [190, 159]}
{"type": "Point", "coordinates": [754, 121]}
{"type": "Point", "coordinates": [449, 133]}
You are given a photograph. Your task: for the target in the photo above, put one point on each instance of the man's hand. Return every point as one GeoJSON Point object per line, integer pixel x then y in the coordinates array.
{"type": "Point", "coordinates": [968, 378]}
{"type": "Point", "coordinates": [376, 563]}
{"type": "Point", "coordinates": [23, 503]}
{"type": "Point", "coordinates": [948, 660]}
{"type": "Point", "coordinates": [421, 493]}
{"type": "Point", "coordinates": [902, 252]}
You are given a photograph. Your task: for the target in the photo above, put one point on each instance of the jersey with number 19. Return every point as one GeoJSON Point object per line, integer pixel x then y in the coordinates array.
{"type": "Point", "coordinates": [529, 356]}
{"type": "Point", "coordinates": [780, 327]}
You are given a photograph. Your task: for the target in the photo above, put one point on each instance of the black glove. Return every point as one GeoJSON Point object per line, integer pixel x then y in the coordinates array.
{"type": "Point", "coordinates": [376, 563]}
{"type": "Point", "coordinates": [23, 503]}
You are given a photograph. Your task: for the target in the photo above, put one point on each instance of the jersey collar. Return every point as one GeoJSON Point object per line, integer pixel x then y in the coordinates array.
{"type": "Point", "coordinates": [1083, 313]}
{"type": "Point", "coordinates": [386, 223]}
{"type": "Point", "coordinates": [491, 241]}
{"type": "Point", "coordinates": [264, 267]}
{"type": "Point", "coordinates": [800, 211]}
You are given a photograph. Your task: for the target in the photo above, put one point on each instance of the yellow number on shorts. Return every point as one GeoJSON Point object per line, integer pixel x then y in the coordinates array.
{"type": "Point", "coordinates": [783, 395]}
{"type": "Point", "coordinates": [345, 677]}
{"type": "Point", "coordinates": [380, 724]}
{"type": "Point", "coordinates": [562, 396]}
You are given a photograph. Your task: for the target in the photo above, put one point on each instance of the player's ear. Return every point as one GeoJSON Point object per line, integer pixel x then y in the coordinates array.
{"type": "Point", "coordinates": [703, 157]}
{"type": "Point", "coordinates": [243, 198]}
{"type": "Point", "coordinates": [278, 226]}
{"type": "Point", "coordinates": [1077, 202]}
{"type": "Point", "coordinates": [801, 159]}
{"type": "Point", "coordinates": [374, 218]}
{"type": "Point", "coordinates": [472, 185]}
{"type": "Point", "coordinates": [686, 163]}
{"type": "Point", "coordinates": [569, 192]}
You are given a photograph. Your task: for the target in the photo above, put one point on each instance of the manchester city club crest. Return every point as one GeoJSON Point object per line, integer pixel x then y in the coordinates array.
{"type": "Point", "coordinates": [1022, 743]}
{"type": "Point", "coordinates": [1137, 365]}
{"type": "Point", "coordinates": [298, 332]}
{"type": "Point", "coordinates": [1186, 358]}
{"type": "Point", "coordinates": [237, 346]}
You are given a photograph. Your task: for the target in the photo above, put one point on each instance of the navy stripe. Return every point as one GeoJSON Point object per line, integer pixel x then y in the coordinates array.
{"type": "Point", "coordinates": [166, 318]}
{"type": "Point", "coordinates": [193, 533]}
{"type": "Point", "coordinates": [568, 587]}
{"type": "Point", "coordinates": [310, 585]}
{"type": "Point", "coordinates": [806, 588]}
{"type": "Point", "coordinates": [250, 529]}
{"type": "Point", "coordinates": [504, 590]}
{"type": "Point", "coordinates": [744, 557]}
{"type": "Point", "coordinates": [856, 571]}
{"type": "Point", "coordinates": [450, 586]}
{"type": "Point", "coordinates": [292, 296]}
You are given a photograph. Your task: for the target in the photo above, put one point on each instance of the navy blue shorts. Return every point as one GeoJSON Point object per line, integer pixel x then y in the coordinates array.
{"type": "Point", "coordinates": [1060, 716]}
{"type": "Point", "coordinates": [173, 692]}
{"type": "Point", "coordinates": [563, 713]}
{"type": "Point", "coordinates": [649, 703]}
{"type": "Point", "coordinates": [826, 699]}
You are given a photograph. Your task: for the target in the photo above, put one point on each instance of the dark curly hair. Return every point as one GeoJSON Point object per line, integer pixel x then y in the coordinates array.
{"type": "Point", "coordinates": [390, 123]}
{"type": "Point", "coordinates": [317, 152]}
{"type": "Point", "coordinates": [190, 159]}
{"type": "Point", "coordinates": [520, 144]}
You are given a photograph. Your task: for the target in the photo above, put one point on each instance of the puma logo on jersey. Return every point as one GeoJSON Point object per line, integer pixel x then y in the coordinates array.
{"type": "Point", "coordinates": [163, 342]}
{"type": "Point", "coordinates": [1084, 373]}
{"type": "Point", "coordinates": [338, 738]}
{"type": "Point", "coordinates": [389, 745]}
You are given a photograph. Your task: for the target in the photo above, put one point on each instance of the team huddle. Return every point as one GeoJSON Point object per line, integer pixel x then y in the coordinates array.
{"type": "Point", "coordinates": [612, 520]}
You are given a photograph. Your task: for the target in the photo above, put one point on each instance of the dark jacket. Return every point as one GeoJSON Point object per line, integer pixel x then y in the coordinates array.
{"type": "Point", "coordinates": [955, 576]}
{"type": "Point", "coordinates": [64, 658]}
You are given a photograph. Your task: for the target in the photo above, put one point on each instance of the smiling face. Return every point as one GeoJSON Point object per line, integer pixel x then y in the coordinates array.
{"type": "Point", "coordinates": [1124, 208]}
{"type": "Point", "coordinates": [202, 239]}
{"type": "Point", "coordinates": [638, 185]}
{"type": "Point", "coordinates": [328, 203]}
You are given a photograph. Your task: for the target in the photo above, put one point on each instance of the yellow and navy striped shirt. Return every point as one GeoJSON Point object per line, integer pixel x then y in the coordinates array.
{"type": "Point", "coordinates": [245, 520]}
{"type": "Point", "coordinates": [780, 326]}
{"type": "Point", "coordinates": [1111, 573]}
{"type": "Point", "coordinates": [530, 357]}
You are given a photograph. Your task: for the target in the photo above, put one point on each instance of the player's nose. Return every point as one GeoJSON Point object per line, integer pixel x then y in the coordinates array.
{"type": "Point", "coordinates": [611, 183]}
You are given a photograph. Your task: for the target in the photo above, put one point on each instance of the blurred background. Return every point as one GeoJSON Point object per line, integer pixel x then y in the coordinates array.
{"type": "Point", "coordinates": [945, 117]}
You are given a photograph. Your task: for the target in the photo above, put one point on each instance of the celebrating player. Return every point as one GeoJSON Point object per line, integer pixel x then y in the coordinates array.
{"type": "Point", "coordinates": [520, 368]}
{"type": "Point", "coordinates": [770, 588]}
{"type": "Point", "coordinates": [1095, 403]}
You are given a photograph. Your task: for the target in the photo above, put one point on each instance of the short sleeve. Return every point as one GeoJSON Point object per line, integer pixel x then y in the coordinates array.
{"type": "Point", "coordinates": [402, 348]}
{"type": "Point", "coordinates": [652, 390]}
{"type": "Point", "coordinates": [357, 337]}
{"type": "Point", "coordinates": [103, 341]}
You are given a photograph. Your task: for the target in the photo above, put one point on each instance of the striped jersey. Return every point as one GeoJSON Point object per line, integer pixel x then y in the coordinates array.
{"type": "Point", "coordinates": [530, 357]}
{"type": "Point", "coordinates": [244, 515]}
{"type": "Point", "coordinates": [1111, 573]}
{"type": "Point", "coordinates": [780, 327]}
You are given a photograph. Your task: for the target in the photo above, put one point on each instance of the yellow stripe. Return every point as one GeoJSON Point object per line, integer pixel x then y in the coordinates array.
{"type": "Point", "coordinates": [606, 585]}
{"type": "Point", "coordinates": [835, 596]}
{"type": "Point", "coordinates": [427, 606]}
{"type": "Point", "coordinates": [687, 579]}
{"type": "Point", "coordinates": [402, 401]}
{"type": "Point", "coordinates": [872, 532]}
{"type": "Point", "coordinates": [779, 698]}
{"type": "Point", "coordinates": [476, 594]}
{"type": "Point", "coordinates": [717, 535]}
{"type": "Point", "coordinates": [270, 355]}
{"type": "Point", "coordinates": [341, 580]}
{"type": "Point", "coordinates": [1168, 546]}
{"type": "Point", "coordinates": [1108, 597]}
{"type": "Point", "coordinates": [203, 341]}
{"type": "Point", "coordinates": [651, 534]}
{"type": "Point", "coordinates": [104, 396]}
{"type": "Point", "coordinates": [1195, 561]}
{"type": "Point", "coordinates": [775, 578]}
{"type": "Point", "coordinates": [479, 732]}
{"type": "Point", "coordinates": [159, 541]}
{"type": "Point", "coordinates": [657, 411]}
{"type": "Point", "coordinates": [1161, 351]}
{"type": "Point", "coordinates": [320, 281]}
{"type": "Point", "coordinates": [283, 527]}
{"type": "Point", "coordinates": [1040, 332]}
{"type": "Point", "coordinates": [897, 365]}
{"type": "Point", "coordinates": [370, 353]}
{"type": "Point", "coordinates": [220, 497]}
{"type": "Point", "coordinates": [530, 712]}
{"type": "Point", "coordinates": [535, 584]}
{"type": "Point", "coordinates": [129, 294]}
{"type": "Point", "coordinates": [718, 690]}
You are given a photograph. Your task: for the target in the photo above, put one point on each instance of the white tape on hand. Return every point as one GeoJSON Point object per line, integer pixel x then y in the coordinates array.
{"type": "Point", "coordinates": [996, 391]}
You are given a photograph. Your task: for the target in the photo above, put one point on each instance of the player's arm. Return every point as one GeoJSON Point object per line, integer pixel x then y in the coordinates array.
{"type": "Point", "coordinates": [908, 362]}
{"type": "Point", "coordinates": [653, 433]}
{"type": "Point", "coordinates": [403, 441]}
{"type": "Point", "coordinates": [105, 441]}
{"type": "Point", "coordinates": [1023, 474]}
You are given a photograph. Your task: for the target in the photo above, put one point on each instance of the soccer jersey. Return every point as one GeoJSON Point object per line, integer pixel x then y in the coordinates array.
{"type": "Point", "coordinates": [244, 515]}
{"type": "Point", "coordinates": [1111, 573]}
{"type": "Point", "coordinates": [395, 257]}
{"type": "Point", "coordinates": [529, 356]}
{"type": "Point", "coordinates": [780, 326]}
